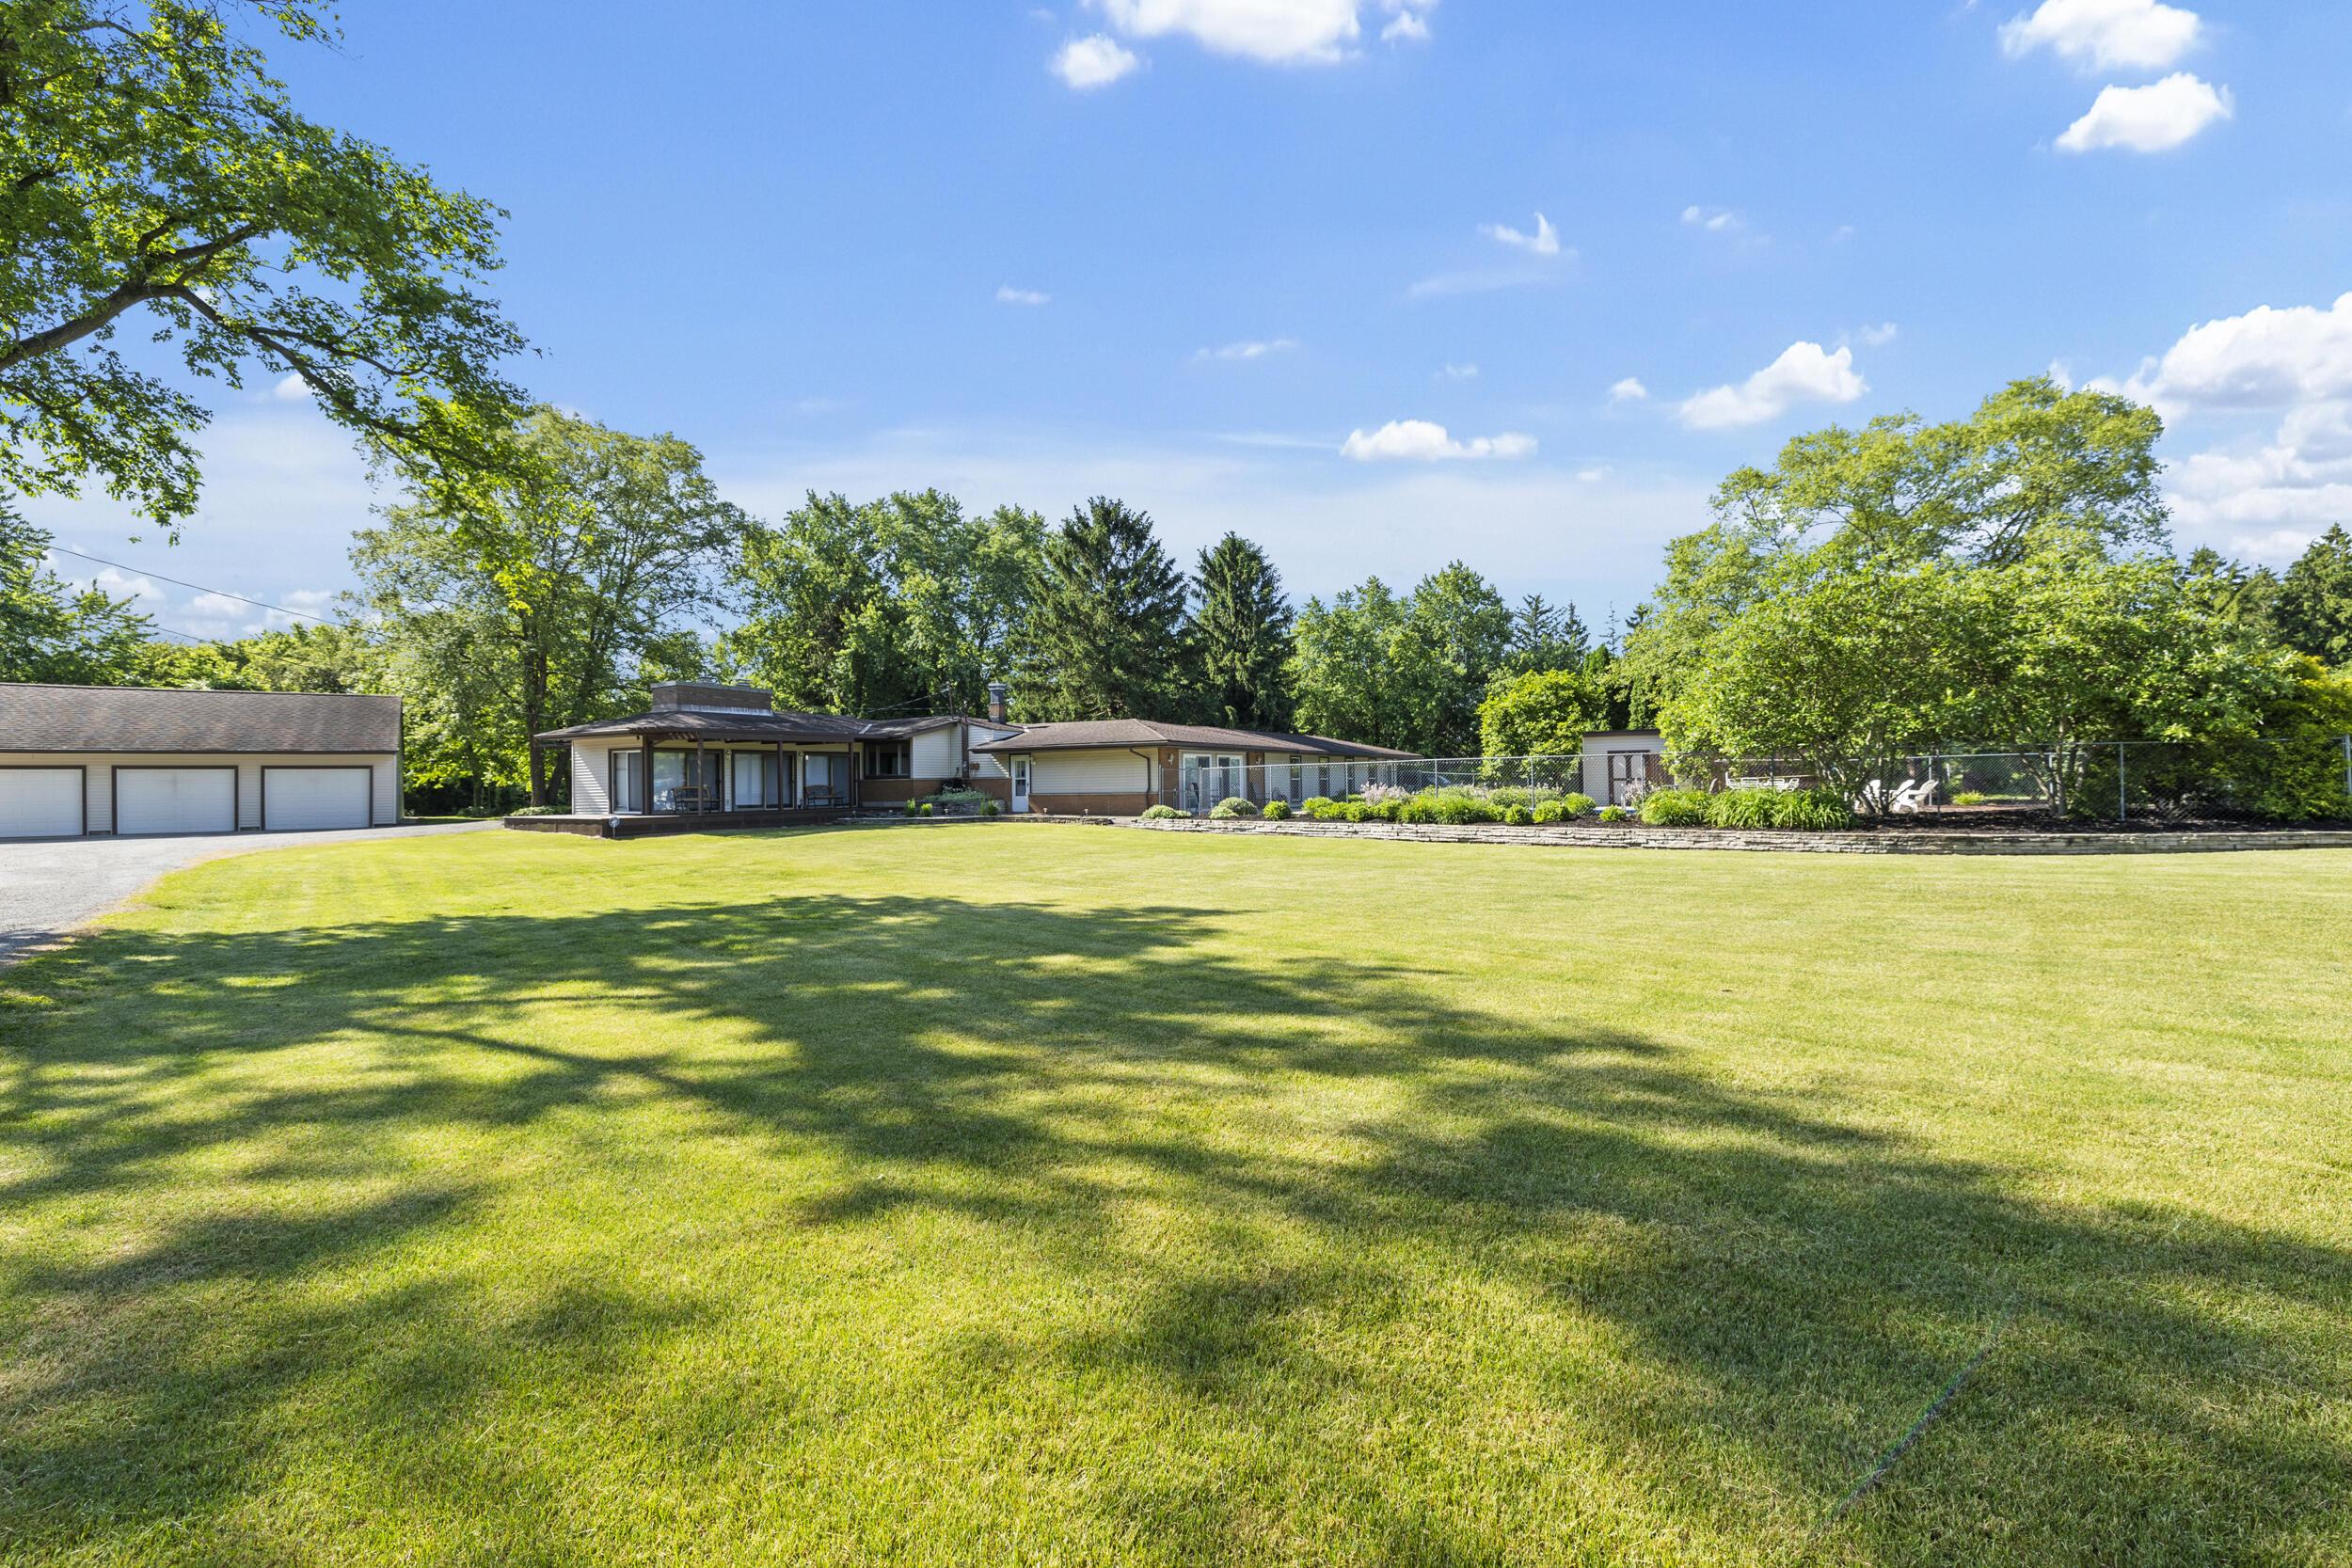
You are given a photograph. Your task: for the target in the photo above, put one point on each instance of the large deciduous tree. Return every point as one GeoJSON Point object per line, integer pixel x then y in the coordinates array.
{"type": "Point", "coordinates": [1541, 713]}
{"type": "Point", "coordinates": [1105, 637]}
{"type": "Point", "coordinates": [894, 605]}
{"type": "Point", "coordinates": [1406, 671]}
{"type": "Point", "coordinates": [1342, 666]}
{"type": "Point", "coordinates": [582, 561]}
{"type": "Point", "coordinates": [155, 170]}
{"type": "Point", "coordinates": [1240, 637]}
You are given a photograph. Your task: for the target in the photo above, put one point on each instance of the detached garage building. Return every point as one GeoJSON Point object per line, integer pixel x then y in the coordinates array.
{"type": "Point", "coordinates": [130, 760]}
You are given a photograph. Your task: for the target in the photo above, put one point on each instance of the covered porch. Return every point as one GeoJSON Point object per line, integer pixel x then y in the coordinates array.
{"type": "Point", "coordinates": [663, 773]}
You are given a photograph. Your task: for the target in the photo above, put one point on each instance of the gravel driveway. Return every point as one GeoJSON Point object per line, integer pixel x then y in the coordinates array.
{"type": "Point", "coordinates": [49, 886]}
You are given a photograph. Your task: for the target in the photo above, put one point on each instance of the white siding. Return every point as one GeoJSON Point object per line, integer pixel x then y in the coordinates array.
{"type": "Point", "coordinates": [592, 777]}
{"type": "Point", "coordinates": [100, 765]}
{"type": "Point", "coordinates": [932, 754]}
{"type": "Point", "coordinates": [1113, 771]}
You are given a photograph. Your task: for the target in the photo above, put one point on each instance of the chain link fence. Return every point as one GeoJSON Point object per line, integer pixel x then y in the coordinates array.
{"type": "Point", "coordinates": [2145, 782]}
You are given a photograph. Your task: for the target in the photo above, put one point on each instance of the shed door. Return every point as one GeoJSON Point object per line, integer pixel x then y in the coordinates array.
{"type": "Point", "coordinates": [41, 803]}
{"type": "Point", "coordinates": [294, 797]}
{"type": "Point", "coordinates": [175, 801]}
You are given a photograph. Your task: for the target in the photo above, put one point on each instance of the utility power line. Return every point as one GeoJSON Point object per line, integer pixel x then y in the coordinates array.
{"type": "Point", "coordinates": [258, 604]}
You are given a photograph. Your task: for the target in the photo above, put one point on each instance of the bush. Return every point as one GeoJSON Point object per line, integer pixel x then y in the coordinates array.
{"type": "Point", "coordinates": [1574, 804]}
{"type": "Point", "coordinates": [1421, 808]}
{"type": "Point", "coordinates": [1548, 811]}
{"type": "Point", "coordinates": [993, 808]}
{"type": "Point", "coordinates": [1276, 810]}
{"type": "Point", "coordinates": [1455, 810]}
{"type": "Point", "coordinates": [1233, 806]}
{"type": "Point", "coordinates": [1741, 808]}
{"type": "Point", "coordinates": [1388, 808]}
{"type": "Point", "coordinates": [534, 811]}
{"type": "Point", "coordinates": [914, 806]}
{"type": "Point", "coordinates": [1162, 814]}
{"type": "Point", "coordinates": [927, 808]}
{"type": "Point", "coordinates": [1355, 811]}
{"type": "Point", "coordinates": [1675, 808]}
{"type": "Point", "coordinates": [1615, 813]}
{"type": "Point", "coordinates": [1971, 798]}
{"type": "Point", "coordinates": [1817, 810]}
{"type": "Point", "coordinates": [1521, 816]}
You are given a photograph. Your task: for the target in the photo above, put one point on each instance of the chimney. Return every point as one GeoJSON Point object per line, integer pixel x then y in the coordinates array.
{"type": "Point", "coordinates": [995, 702]}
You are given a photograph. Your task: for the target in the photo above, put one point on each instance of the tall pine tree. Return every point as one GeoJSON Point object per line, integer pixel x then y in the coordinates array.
{"type": "Point", "coordinates": [1240, 637]}
{"type": "Point", "coordinates": [1106, 628]}
{"type": "Point", "coordinates": [2315, 604]}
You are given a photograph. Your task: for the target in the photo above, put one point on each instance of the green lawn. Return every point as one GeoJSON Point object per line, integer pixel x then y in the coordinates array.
{"type": "Point", "coordinates": [1011, 1193]}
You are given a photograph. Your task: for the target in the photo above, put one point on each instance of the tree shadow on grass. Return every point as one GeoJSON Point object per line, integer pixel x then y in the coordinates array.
{"type": "Point", "coordinates": [1555, 1237]}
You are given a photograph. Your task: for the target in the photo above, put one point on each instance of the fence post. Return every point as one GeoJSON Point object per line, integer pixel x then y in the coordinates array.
{"type": "Point", "coordinates": [2347, 764]}
{"type": "Point", "coordinates": [2122, 801]}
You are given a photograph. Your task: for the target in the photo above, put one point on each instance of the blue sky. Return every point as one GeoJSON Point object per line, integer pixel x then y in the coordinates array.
{"type": "Point", "coordinates": [1278, 265]}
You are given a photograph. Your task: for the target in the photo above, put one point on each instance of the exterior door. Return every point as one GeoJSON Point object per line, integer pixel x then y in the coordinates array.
{"type": "Point", "coordinates": [1628, 775]}
{"type": "Point", "coordinates": [1021, 784]}
{"type": "Point", "coordinates": [41, 803]}
{"type": "Point", "coordinates": [299, 798]}
{"type": "Point", "coordinates": [628, 782]}
{"type": "Point", "coordinates": [175, 800]}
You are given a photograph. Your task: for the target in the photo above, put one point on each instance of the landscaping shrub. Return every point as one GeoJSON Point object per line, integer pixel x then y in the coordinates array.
{"type": "Point", "coordinates": [993, 808]}
{"type": "Point", "coordinates": [1233, 806]}
{"type": "Point", "coordinates": [1355, 811]}
{"type": "Point", "coordinates": [1548, 811]}
{"type": "Point", "coordinates": [1675, 808]}
{"type": "Point", "coordinates": [1276, 810]}
{"type": "Point", "coordinates": [1506, 796]}
{"type": "Point", "coordinates": [1971, 798]}
{"type": "Point", "coordinates": [1161, 813]}
{"type": "Point", "coordinates": [1741, 808]}
{"type": "Point", "coordinates": [1321, 807]}
{"type": "Point", "coordinates": [1519, 817]}
{"type": "Point", "coordinates": [1421, 808]}
{"type": "Point", "coordinates": [1388, 807]}
{"type": "Point", "coordinates": [1455, 810]}
{"type": "Point", "coordinates": [961, 800]}
{"type": "Point", "coordinates": [927, 808]}
{"type": "Point", "coordinates": [1615, 813]}
{"type": "Point", "coordinates": [1573, 804]}
{"type": "Point", "coordinates": [914, 807]}
{"type": "Point", "coordinates": [533, 811]}
{"type": "Point", "coordinates": [1818, 810]}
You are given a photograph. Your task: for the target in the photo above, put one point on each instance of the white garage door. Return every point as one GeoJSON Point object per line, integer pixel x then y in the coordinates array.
{"type": "Point", "coordinates": [41, 803]}
{"type": "Point", "coordinates": [175, 801]}
{"type": "Point", "coordinates": [314, 798]}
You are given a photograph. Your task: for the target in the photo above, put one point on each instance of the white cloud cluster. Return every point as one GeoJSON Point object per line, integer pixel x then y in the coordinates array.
{"type": "Point", "coordinates": [1007, 294]}
{"type": "Point", "coordinates": [1715, 220]}
{"type": "Point", "coordinates": [1545, 241]}
{"type": "Point", "coordinates": [1628, 390]}
{"type": "Point", "coordinates": [1095, 61]}
{"type": "Point", "coordinates": [2269, 357]}
{"type": "Point", "coordinates": [1254, 349]}
{"type": "Point", "coordinates": [2155, 119]}
{"type": "Point", "coordinates": [1878, 336]}
{"type": "Point", "coordinates": [1420, 441]}
{"type": "Point", "coordinates": [2104, 35]}
{"type": "Point", "coordinates": [1275, 32]}
{"type": "Point", "coordinates": [1804, 372]}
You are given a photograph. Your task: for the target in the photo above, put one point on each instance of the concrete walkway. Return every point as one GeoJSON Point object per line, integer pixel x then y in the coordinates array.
{"type": "Point", "coordinates": [50, 886]}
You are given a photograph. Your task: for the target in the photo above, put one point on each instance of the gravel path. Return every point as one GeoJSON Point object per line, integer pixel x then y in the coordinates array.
{"type": "Point", "coordinates": [50, 886]}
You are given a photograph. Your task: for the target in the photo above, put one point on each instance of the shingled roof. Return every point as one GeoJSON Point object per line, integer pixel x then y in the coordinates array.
{"type": "Point", "coordinates": [152, 718]}
{"type": "Point", "coordinates": [749, 724]}
{"type": "Point", "coordinates": [1094, 733]}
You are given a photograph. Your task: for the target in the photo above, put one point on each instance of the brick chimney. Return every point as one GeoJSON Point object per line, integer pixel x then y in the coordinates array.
{"type": "Point", "coordinates": [995, 702]}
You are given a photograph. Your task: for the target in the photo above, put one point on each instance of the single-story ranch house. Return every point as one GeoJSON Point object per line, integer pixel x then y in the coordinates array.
{"type": "Point", "coordinates": [1118, 767]}
{"type": "Point", "coordinates": [126, 760]}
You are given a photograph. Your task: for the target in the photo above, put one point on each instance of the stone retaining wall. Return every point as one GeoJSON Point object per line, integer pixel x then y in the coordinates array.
{"type": "Point", "coordinates": [1901, 841]}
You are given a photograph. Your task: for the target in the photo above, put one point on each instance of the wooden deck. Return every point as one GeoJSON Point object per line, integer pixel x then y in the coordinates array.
{"type": "Point", "coordinates": [680, 822]}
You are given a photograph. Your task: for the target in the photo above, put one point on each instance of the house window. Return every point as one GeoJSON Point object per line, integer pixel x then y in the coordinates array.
{"type": "Point", "coordinates": [889, 759]}
{"type": "Point", "coordinates": [828, 777]}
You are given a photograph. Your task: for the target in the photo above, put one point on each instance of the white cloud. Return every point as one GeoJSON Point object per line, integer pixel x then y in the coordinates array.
{"type": "Point", "coordinates": [1715, 220]}
{"type": "Point", "coordinates": [1594, 475]}
{"type": "Point", "coordinates": [2269, 357]}
{"type": "Point", "coordinates": [1279, 32]}
{"type": "Point", "coordinates": [1628, 390]}
{"type": "Point", "coordinates": [1406, 26]}
{"type": "Point", "coordinates": [1253, 350]}
{"type": "Point", "coordinates": [1544, 242]}
{"type": "Point", "coordinates": [2268, 503]}
{"type": "Point", "coordinates": [1483, 282]}
{"type": "Point", "coordinates": [1095, 61]}
{"type": "Point", "coordinates": [1458, 372]}
{"type": "Point", "coordinates": [2107, 35]}
{"type": "Point", "coordinates": [2153, 118]}
{"type": "Point", "coordinates": [1007, 294]}
{"type": "Point", "coordinates": [290, 389]}
{"type": "Point", "coordinates": [1803, 373]}
{"type": "Point", "coordinates": [1878, 336]}
{"type": "Point", "coordinates": [1420, 441]}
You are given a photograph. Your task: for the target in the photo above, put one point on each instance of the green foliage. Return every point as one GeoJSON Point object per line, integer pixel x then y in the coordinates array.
{"type": "Point", "coordinates": [1551, 811]}
{"type": "Point", "coordinates": [1421, 808]}
{"type": "Point", "coordinates": [534, 811]}
{"type": "Point", "coordinates": [1232, 806]}
{"type": "Point", "coordinates": [1615, 813]}
{"type": "Point", "coordinates": [1355, 811]}
{"type": "Point", "coordinates": [914, 808]}
{"type": "Point", "coordinates": [2315, 600]}
{"type": "Point", "coordinates": [1408, 672]}
{"type": "Point", "coordinates": [158, 173]}
{"type": "Point", "coordinates": [1674, 808]}
{"type": "Point", "coordinates": [898, 605]}
{"type": "Point", "coordinates": [1276, 810]}
{"type": "Point", "coordinates": [1239, 637]}
{"type": "Point", "coordinates": [1389, 808]}
{"type": "Point", "coordinates": [1518, 817]}
{"type": "Point", "coordinates": [1105, 637]}
{"type": "Point", "coordinates": [1816, 810]}
{"type": "Point", "coordinates": [545, 594]}
{"type": "Point", "coordinates": [1545, 713]}
{"type": "Point", "coordinates": [1320, 807]}
{"type": "Point", "coordinates": [50, 632]}
{"type": "Point", "coordinates": [1162, 814]}
{"type": "Point", "coordinates": [1742, 808]}
{"type": "Point", "coordinates": [1574, 804]}
{"type": "Point", "coordinates": [1971, 798]}
{"type": "Point", "coordinates": [992, 807]}
{"type": "Point", "coordinates": [2299, 771]}
{"type": "Point", "coordinates": [1545, 637]}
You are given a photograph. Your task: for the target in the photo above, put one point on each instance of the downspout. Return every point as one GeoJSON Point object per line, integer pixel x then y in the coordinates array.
{"type": "Point", "coordinates": [1151, 778]}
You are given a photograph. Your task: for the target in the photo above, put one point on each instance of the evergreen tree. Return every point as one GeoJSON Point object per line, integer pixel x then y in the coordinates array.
{"type": "Point", "coordinates": [1545, 637]}
{"type": "Point", "coordinates": [2313, 610]}
{"type": "Point", "coordinates": [1105, 629]}
{"type": "Point", "coordinates": [1240, 637]}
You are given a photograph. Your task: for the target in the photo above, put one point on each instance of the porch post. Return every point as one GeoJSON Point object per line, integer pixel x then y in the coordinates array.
{"type": "Point", "coordinates": [784, 783]}
{"type": "Point", "coordinates": [699, 775]}
{"type": "Point", "coordinates": [645, 775]}
{"type": "Point", "coordinates": [857, 758]}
